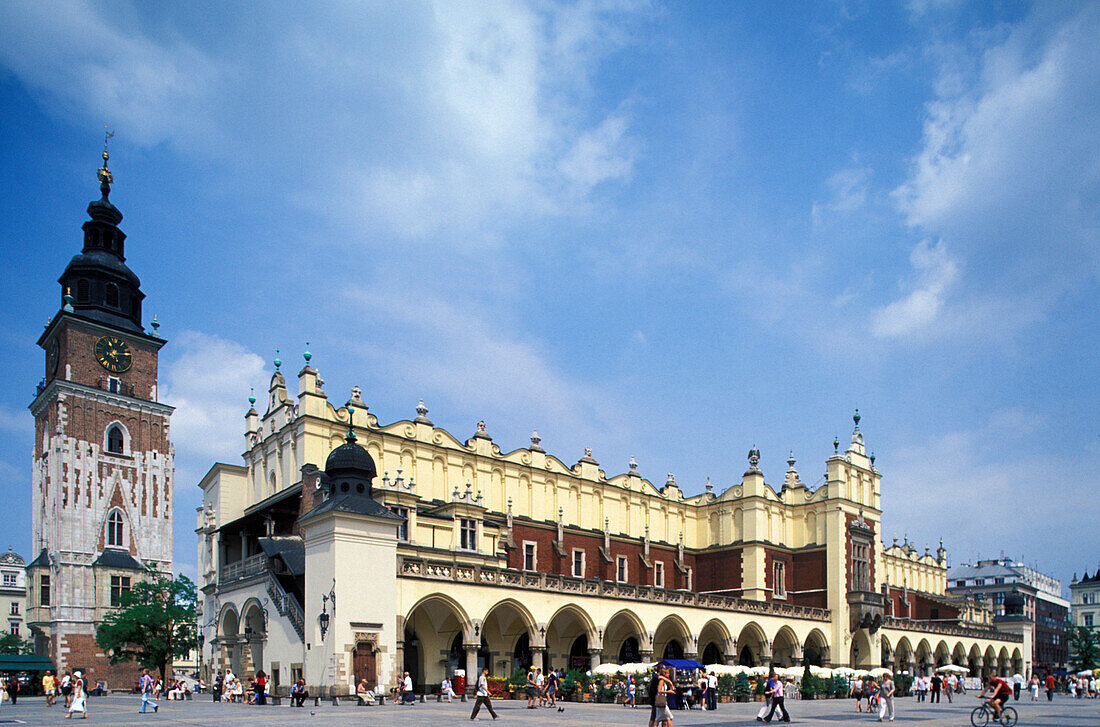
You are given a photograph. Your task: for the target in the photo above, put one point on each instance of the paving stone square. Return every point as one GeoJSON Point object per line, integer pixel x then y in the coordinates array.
{"type": "Point", "coordinates": [123, 710]}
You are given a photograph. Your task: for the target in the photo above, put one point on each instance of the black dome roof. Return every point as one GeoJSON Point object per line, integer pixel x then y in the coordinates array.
{"type": "Point", "coordinates": [349, 459]}
{"type": "Point", "coordinates": [1015, 598]}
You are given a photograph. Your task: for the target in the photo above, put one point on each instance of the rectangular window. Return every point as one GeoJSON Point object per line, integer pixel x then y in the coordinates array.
{"type": "Point", "coordinates": [14, 608]}
{"type": "Point", "coordinates": [960, 584]}
{"type": "Point", "coordinates": [13, 629]}
{"type": "Point", "coordinates": [10, 580]}
{"type": "Point", "coordinates": [467, 533]}
{"type": "Point", "coordinates": [119, 585]}
{"type": "Point", "coordinates": [779, 582]}
{"type": "Point", "coordinates": [578, 563]}
{"type": "Point", "coordinates": [403, 528]}
{"type": "Point", "coordinates": [659, 574]}
{"type": "Point", "coordinates": [998, 581]}
{"type": "Point", "coordinates": [979, 582]}
{"type": "Point", "coordinates": [861, 566]}
{"type": "Point", "coordinates": [1088, 620]}
{"type": "Point", "coordinates": [112, 384]}
{"type": "Point", "coordinates": [43, 590]}
{"type": "Point", "coordinates": [530, 553]}
{"type": "Point", "coordinates": [689, 574]}
{"type": "Point", "coordinates": [620, 569]}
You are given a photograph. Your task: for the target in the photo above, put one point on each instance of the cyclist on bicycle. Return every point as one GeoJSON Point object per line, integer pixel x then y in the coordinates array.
{"type": "Point", "coordinates": [1002, 691]}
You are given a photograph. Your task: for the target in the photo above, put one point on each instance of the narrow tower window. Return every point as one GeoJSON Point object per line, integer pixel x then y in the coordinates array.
{"type": "Point", "coordinates": [82, 290]}
{"type": "Point", "coordinates": [114, 440]}
{"type": "Point", "coordinates": [112, 295]}
{"type": "Point", "coordinates": [114, 529]}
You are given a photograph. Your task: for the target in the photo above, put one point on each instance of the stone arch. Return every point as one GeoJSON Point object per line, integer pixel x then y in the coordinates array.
{"type": "Point", "coordinates": [428, 633]}
{"type": "Point", "coordinates": [989, 661]}
{"type": "Point", "coordinates": [254, 634]}
{"type": "Point", "coordinates": [672, 639]}
{"type": "Point", "coordinates": [815, 650]}
{"type": "Point", "coordinates": [116, 438]}
{"type": "Point", "coordinates": [570, 637]}
{"type": "Point", "coordinates": [715, 644]}
{"type": "Point", "coordinates": [958, 654]}
{"type": "Point", "coordinates": [903, 655]}
{"type": "Point", "coordinates": [943, 654]}
{"type": "Point", "coordinates": [625, 638]}
{"type": "Point", "coordinates": [859, 654]}
{"type": "Point", "coordinates": [504, 627]}
{"type": "Point", "coordinates": [228, 633]}
{"type": "Point", "coordinates": [786, 650]}
{"type": "Point", "coordinates": [1002, 662]}
{"type": "Point", "coordinates": [753, 648]}
{"type": "Point", "coordinates": [924, 657]}
{"type": "Point", "coordinates": [886, 655]}
{"type": "Point", "coordinates": [974, 660]}
{"type": "Point", "coordinates": [1017, 662]}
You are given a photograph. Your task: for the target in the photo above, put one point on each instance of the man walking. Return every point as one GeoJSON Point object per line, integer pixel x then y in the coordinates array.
{"type": "Point", "coordinates": [712, 691]}
{"type": "Point", "coordinates": [482, 696]}
{"type": "Point", "coordinates": [937, 685]}
{"type": "Point", "coordinates": [886, 697]}
{"type": "Point", "coordinates": [775, 688]}
{"type": "Point", "coordinates": [147, 692]}
{"type": "Point", "coordinates": [1051, 684]}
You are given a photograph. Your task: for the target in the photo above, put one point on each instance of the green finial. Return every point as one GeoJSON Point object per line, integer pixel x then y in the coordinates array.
{"type": "Point", "coordinates": [836, 445]}
{"type": "Point", "coordinates": [307, 355]}
{"type": "Point", "coordinates": [278, 361]}
{"type": "Point", "coordinates": [155, 326]}
{"type": "Point", "coordinates": [251, 396]}
{"type": "Point", "coordinates": [855, 418]}
{"type": "Point", "coordinates": [68, 300]}
{"type": "Point", "coordinates": [350, 436]}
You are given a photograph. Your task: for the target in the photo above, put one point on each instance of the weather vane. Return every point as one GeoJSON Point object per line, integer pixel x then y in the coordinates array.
{"type": "Point", "coordinates": [104, 173]}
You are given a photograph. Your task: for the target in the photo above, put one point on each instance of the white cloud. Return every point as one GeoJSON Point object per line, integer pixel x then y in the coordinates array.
{"type": "Point", "coordinates": [847, 192]}
{"type": "Point", "coordinates": [935, 272]}
{"type": "Point", "coordinates": [444, 122]}
{"type": "Point", "coordinates": [1009, 171]}
{"type": "Point", "coordinates": [207, 382]}
{"type": "Point", "coordinates": [478, 365]}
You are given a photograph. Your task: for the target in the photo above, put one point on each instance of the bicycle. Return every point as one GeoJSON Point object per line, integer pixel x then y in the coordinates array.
{"type": "Point", "coordinates": [983, 713]}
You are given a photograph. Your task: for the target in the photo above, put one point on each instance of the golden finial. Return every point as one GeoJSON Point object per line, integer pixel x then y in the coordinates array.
{"type": "Point", "coordinates": [104, 174]}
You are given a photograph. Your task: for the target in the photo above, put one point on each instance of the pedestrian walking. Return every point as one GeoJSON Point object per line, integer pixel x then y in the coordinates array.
{"type": "Point", "coordinates": [712, 690]}
{"type": "Point", "coordinates": [886, 697]}
{"type": "Point", "coordinates": [775, 687]}
{"type": "Point", "coordinates": [79, 701]}
{"type": "Point", "coordinates": [1051, 685]}
{"type": "Point", "coordinates": [937, 686]}
{"type": "Point", "coordinates": [482, 696]}
{"type": "Point", "coordinates": [260, 687]}
{"type": "Point", "coordinates": [147, 688]}
{"type": "Point", "coordinates": [13, 689]}
{"type": "Point", "coordinates": [663, 715]}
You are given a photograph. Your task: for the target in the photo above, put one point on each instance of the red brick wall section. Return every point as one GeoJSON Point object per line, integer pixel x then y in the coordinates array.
{"type": "Point", "coordinates": [83, 653]}
{"type": "Point", "coordinates": [548, 561]}
{"type": "Point", "coordinates": [718, 570]}
{"type": "Point", "coordinates": [808, 568]}
{"type": "Point", "coordinates": [77, 349]}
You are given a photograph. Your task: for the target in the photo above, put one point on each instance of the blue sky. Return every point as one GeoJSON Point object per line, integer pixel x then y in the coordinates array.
{"type": "Point", "coordinates": [670, 231]}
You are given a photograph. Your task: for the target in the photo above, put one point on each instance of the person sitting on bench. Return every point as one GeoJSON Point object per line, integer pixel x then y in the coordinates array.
{"type": "Point", "coordinates": [298, 693]}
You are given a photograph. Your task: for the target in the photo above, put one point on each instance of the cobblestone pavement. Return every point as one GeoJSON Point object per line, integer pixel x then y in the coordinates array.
{"type": "Point", "coordinates": [123, 710]}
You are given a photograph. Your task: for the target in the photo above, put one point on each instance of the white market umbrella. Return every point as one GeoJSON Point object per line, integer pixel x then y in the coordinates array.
{"type": "Point", "coordinates": [881, 671]}
{"type": "Point", "coordinates": [607, 668]}
{"type": "Point", "coordinates": [1085, 673]}
{"type": "Point", "coordinates": [820, 671]}
{"type": "Point", "coordinates": [723, 669]}
{"type": "Point", "coordinates": [760, 671]}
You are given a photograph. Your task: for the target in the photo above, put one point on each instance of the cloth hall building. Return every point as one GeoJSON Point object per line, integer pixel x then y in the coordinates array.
{"type": "Point", "coordinates": [413, 550]}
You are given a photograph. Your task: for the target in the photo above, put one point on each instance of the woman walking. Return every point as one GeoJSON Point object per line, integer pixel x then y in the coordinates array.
{"type": "Point", "coordinates": [80, 699]}
{"type": "Point", "coordinates": [663, 715]}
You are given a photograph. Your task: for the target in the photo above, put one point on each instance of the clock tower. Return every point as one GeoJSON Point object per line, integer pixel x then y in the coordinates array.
{"type": "Point", "coordinates": [103, 489]}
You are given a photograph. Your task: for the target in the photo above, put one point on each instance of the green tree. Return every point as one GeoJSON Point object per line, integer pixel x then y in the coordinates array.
{"type": "Point", "coordinates": [154, 623]}
{"type": "Point", "coordinates": [1085, 648]}
{"type": "Point", "coordinates": [12, 644]}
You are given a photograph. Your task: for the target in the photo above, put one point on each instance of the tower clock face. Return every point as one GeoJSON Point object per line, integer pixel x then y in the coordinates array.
{"type": "Point", "coordinates": [52, 358]}
{"type": "Point", "coordinates": [113, 354]}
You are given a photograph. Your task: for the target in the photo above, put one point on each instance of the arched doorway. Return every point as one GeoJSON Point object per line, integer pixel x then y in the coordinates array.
{"type": "Point", "coordinates": [578, 653]}
{"type": "Point", "coordinates": [815, 651]}
{"type": "Point", "coordinates": [413, 654]}
{"type": "Point", "coordinates": [752, 645]}
{"type": "Point", "coordinates": [625, 636]}
{"type": "Point", "coordinates": [564, 645]}
{"type": "Point", "coordinates": [711, 654]}
{"type": "Point", "coordinates": [859, 656]}
{"type": "Point", "coordinates": [435, 626]}
{"type": "Point", "coordinates": [629, 652]}
{"type": "Point", "coordinates": [714, 638]}
{"type": "Point", "coordinates": [507, 629]}
{"type": "Point", "coordinates": [673, 650]}
{"type": "Point", "coordinates": [785, 651]}
{"type": "Point", "coordinates": [521, 654]}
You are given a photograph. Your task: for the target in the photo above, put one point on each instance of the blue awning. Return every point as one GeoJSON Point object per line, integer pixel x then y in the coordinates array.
{"type": "Point", "coordinates": [681, 663]}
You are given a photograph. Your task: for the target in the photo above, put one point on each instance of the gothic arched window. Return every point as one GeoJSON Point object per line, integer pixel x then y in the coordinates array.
{"type": "Point", "coordinates": [114, 440]}
{"type": "Point", "coordinates": [114, 529]}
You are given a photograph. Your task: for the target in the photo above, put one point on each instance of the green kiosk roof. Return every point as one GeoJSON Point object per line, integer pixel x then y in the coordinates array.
{"type": "Point", "coordinates": [24, 662]}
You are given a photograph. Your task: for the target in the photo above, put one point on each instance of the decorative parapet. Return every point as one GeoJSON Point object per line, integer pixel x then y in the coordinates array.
{"type": "Point", "coordinates": [247, 568]}
{"type": "Point", "coordinates": [943, 629]}
{"type": "Point", "coordinates": [509, 577]}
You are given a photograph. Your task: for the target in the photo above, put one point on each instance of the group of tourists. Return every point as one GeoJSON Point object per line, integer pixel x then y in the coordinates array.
{"type": "Point", "coordinates": [931, 688]}
{"type": "Point", "coordinates": [72, 688]}
{"type": "Point", "coordinates": [542, 689]}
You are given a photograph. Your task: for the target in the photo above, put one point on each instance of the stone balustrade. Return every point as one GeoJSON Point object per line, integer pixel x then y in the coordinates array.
{"type": "Point", "coordinates": [946, 629]}
{"type": "Point", "coordinates": [490, 576]}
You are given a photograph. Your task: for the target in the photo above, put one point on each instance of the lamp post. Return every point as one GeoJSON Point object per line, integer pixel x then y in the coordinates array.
{"type": "Point", "coordinates": [324, 619]}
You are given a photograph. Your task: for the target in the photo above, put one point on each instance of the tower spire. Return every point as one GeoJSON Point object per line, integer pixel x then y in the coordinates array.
{"type": "Point", "coordinates": [104, 174]}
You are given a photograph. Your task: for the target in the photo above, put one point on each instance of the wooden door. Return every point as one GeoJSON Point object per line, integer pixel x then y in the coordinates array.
{"type": "Point", "coordinates": [365, 666]}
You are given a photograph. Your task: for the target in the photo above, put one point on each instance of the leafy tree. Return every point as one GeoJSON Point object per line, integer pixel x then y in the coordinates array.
{"type": "Point", "coordinates": [154, 623]}
{"type": "Point", "coordinates": [12, 644]}
{"type": "Point", "coordinates": [1085, 648]}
